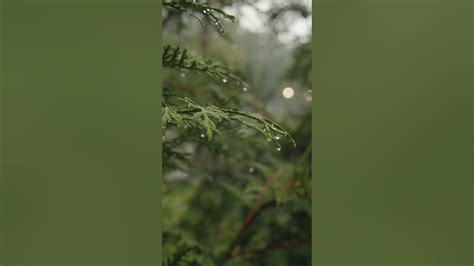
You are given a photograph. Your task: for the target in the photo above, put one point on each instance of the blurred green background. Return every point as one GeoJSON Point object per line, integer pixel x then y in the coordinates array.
{"type": "Point", "coordinates": [80, 119]}
{"type": "Point", "coordinates": [393, 131]}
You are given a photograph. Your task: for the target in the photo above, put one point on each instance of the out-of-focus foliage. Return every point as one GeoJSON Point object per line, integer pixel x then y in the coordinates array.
{"type": "Point", "coordinates": [301, 69]}
{"type": "Point", "coordinates": [237, 179]}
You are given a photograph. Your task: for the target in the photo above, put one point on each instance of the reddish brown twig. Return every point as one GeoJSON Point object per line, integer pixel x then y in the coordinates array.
{"type": "Point", "coordinates": [262, 193]}
{"type": "Point", "coordinates": [248, 221]}
{"type": "Point", "coordinates": [252, 215]}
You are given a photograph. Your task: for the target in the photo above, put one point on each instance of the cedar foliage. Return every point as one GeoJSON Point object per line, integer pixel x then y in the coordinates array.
{"type": "Point", "coordinates": [237, 184]}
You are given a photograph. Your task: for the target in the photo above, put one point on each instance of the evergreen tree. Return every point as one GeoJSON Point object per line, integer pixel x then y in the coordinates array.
{"type": "Point", "coordinates": [237, 184]}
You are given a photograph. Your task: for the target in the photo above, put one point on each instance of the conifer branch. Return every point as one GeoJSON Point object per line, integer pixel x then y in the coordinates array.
{"type": "Point", "coordinates": [179, 58]}
{"type": "Point", "coordinates": [206, 118]}
{"type": "Point", "coordinates": [212, 13]}
{"type": "Point", "coordinates": [247, 223]}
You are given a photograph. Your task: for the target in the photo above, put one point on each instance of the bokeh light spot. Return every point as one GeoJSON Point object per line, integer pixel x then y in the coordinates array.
{"type": "Point", "coordinates": [288, 92]}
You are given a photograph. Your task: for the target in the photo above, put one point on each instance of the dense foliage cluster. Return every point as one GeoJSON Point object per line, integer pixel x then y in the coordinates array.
{"type": "Point", "coordinates": [237, 184]}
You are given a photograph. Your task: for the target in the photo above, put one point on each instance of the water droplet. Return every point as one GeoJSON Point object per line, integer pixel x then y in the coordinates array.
{"type": "Point", "coordinates": [245, 89]}
{"type": "Point", "coordinates": [251, 170]}
{"type": "Point", "coordinates": [269, 139]}
{"type": "Point", "coordinates": [278, 149]}
{"type": "Point", "coordinates": [224, 80]}
{"type": "Point", "coordinates": [163, 126]}
{"type": "Point", "coordinates": [202, 135]}
{"type": "Point", "coordinates": [277, 137]}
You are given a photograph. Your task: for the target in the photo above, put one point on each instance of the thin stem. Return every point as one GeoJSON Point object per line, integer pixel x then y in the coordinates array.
{"type": "Point", "coordinates": [247, 223]}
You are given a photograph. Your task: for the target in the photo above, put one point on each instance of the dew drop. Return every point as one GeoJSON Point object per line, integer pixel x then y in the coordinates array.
{"type": "Point", "coordinates": [245, 89]}
{"type": "Point", "coordinates": [277, 137]}
{"type": "Point", "coordinates": [202, 135]}
{"type": "Point", "coordinates": [269, 139]}
{"type": "Point", "coordinates": [251, 170]}
{"type": "Point", "coordinates": [224, 80]}
{"type": "Point", "coordinates": [278, 149]}
{"type": "Point", "coordinates": [183, 74]}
